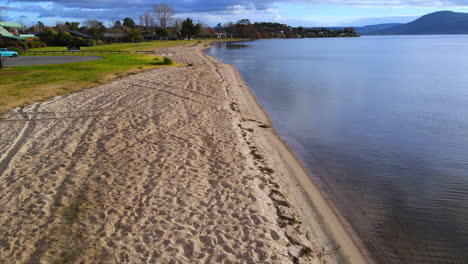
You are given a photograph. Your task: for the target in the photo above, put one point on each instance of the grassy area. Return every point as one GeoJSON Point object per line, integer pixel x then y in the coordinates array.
{"type": "Point", "coordinates": [27, 84]}
{"type": "Point", "coordinates": [150, 45]}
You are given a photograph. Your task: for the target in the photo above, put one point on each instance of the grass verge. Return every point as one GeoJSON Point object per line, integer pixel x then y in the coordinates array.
{"type": "Point", "coordinates": [150, 45]}
{"type": "Point", "coordinates": [27, 84]}
{"type": "Point", "coordinates": [23, 85]}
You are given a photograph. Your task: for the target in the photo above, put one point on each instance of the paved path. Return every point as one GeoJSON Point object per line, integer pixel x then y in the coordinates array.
{"type": "Point", "coordinates": [43, 60]}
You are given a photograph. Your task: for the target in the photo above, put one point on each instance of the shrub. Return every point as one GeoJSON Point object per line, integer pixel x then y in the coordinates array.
{"type": "Point", "coordinates": [36, 44]}
{"type": "Point", "coordinates": [164, 61]}
{"type": "Point", "coordinates": [157, 61]}
{"type": "Point", "coordinates": [168, 61]}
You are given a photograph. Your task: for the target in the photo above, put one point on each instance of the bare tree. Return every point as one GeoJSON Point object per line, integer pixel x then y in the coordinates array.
{"type": "Point", "coordinates": [164, 13]}
{"type": "Point", "coordinates": [147, 20]}
{"type": "Point", "coordinates": [3, 8]}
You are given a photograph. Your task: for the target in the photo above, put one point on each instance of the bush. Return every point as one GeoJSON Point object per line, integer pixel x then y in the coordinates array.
{"type": "Point", "coordinates": [157, 61]}
{"type": "Point", "coordinates": [36, 44]}
{"type": "Point", "coordinates": [164, 61]}
{"type": "Point", "coordinates": [167, 61]}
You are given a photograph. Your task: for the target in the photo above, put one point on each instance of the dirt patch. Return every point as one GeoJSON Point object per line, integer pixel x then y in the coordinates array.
{"type": "Point", "coordinates": [6, 72]}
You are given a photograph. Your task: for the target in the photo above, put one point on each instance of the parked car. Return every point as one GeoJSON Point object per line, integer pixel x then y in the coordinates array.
{"type": "Point", "coordinates": [73, 48]}
{"type": "Point", "coordinates": [4, 52]}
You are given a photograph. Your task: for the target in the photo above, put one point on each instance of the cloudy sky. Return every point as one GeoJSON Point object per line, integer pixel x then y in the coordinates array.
{"type": "Point", "coordinates": [211, 12]}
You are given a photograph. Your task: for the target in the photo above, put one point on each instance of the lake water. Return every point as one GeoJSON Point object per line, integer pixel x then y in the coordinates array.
{"type": "Point", "coordinates": [382, 124]}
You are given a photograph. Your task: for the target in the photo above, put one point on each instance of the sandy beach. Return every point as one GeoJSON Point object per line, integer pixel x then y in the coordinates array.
{"type": "Point", "coordinates": [171, 165]}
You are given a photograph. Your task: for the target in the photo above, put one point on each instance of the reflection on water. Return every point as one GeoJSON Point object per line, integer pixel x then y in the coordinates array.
{"type": "Point", "coordinates": [382, 124]}
{"type": "Point", "coordinates": [232, 45]}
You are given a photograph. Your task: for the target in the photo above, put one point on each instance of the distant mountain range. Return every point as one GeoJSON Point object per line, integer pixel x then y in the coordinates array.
{"type": "Point", "coordinates": [373, 28]}
{"type": "Point", "coordinates": [442, 22]}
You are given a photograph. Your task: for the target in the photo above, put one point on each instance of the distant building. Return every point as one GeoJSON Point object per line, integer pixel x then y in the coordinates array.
{"type": "Point", "coordinates": [116, 37]}
{"type": "Point", "coordinates": [149, 36]}
{"type": "Point", "coordinates": [152, 36]}
{"type": "Point", "coordinates": [14, 31]}
{"type": "Point", "coordinates": [79, 34]}
{"type": "Point", "coordinates": [221, 34]}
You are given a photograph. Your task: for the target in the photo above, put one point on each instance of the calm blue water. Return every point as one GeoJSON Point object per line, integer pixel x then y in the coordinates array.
{"type": "Point", "coordinates": [382, 124]}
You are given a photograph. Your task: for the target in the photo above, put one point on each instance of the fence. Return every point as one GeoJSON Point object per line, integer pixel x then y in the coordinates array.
{"type": "Point", "coordinates": [78, 52]}
{"type": "Point", "coordinates": [146, 51]}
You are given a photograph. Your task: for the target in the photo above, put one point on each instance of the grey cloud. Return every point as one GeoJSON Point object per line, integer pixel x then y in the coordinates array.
{"type": "Point", "coordinates": [194, 6]}
{"type": "Point", "coordinates": [117, 9]}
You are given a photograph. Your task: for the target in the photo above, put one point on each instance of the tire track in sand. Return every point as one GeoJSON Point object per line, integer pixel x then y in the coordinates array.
{"type": "Point", "coordinates": [23, 135]}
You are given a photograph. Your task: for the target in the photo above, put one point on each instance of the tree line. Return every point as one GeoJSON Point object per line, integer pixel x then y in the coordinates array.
{"type": "Point", "coordinates": [245, 29]}
{"type": "Point", "coordinates": [160, 23]}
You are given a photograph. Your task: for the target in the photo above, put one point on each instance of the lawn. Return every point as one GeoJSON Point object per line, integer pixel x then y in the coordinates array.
{"type": "Point", "coordinates": [27, 84]}
{"type": "Point", "coordinates": [150, 45]}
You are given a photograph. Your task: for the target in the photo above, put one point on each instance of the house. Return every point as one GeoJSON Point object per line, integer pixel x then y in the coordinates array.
{"type": "Point", "coordinates": [14, 31]}
{"type": "Point", "coordinates": [116, 37]}
{"type": "Point", "coordinates": [221, 34]}
{"type": "Point", "coordinates": [79, 34]}
{"type": "Point", "coordinates": [149, 36]}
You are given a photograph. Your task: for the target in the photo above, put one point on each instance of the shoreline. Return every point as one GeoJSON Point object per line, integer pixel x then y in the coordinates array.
{"type": "Point", "coordinates": [308, 192]}
{"type": "Point", "coordinates": [171, 165]}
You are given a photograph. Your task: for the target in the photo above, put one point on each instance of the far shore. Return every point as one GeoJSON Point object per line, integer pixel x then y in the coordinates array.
{"type": "Point", "coordinates": [170, 165]}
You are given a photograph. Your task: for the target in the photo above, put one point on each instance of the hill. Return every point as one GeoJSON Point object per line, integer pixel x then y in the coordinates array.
{"type": "Point", "coordinates": [372, 28]}
{"type": "Point", "coordinates": [442, 22]}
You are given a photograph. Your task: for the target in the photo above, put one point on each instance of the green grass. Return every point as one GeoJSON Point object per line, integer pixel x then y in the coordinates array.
{"type": "Point", "coordinates": [27, 84]}
{"type": "Point", "coordinates": [150, 45]}
{"type": "Point", "coordinates": [20, 86]}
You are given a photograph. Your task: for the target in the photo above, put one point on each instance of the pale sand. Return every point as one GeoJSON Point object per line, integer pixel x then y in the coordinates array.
{"type": "Point", "coordinates": [167, 166]}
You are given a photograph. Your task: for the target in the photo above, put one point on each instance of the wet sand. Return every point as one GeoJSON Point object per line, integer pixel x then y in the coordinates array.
{"type": "Point", "coordinates": [173, 165]}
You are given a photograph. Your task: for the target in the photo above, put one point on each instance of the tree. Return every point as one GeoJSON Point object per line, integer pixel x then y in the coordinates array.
{"type": "Point", "coordinates": [128, 22]}
{"type": "Point", "coordinates": [197, 29]}
{"type": "Point", "coordinates": [245, 29]}
{"type": "Point", "coordinates": [73, 25]}
{"type": "Point", "coordinates": [134, 35]}
{"type": "Point", "coordinates": [162, 32]}
{"type": "Point", "coordinates": [188, 28]}
{"type": "Point", "coordinates": [176, 30]}
{"type": "Point", "coordinates": [147, 20]}
{"type": "Point", "coordinates": [49, 36]}
{"type": "Point", "coordinates": [164, 13]}
{"type": "Point", "coordinates": [65, 39]}
{"type": "Point", "coordinates": [94, 28]}
{"type": "Point", "coordinates": [244, 22]}
{"type": "Point", "coordinates": [38, 28]}
{"type": "Point", "coordinates": [219, 28]}
{"type": "Point", "coordinates": [60, 27]}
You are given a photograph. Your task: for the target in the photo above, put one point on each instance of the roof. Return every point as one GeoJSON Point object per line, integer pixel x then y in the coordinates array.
{"type": "Point", "coordinates": [114, 35]}
{"type": "Point", "coordinates": [79, 34]}
{"type": "Point", "coordinates": [11, 25]}
{"type": "Point", "coordinates": [6, 33]}
{"type": "Point", "coordinates": [28, 36]}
